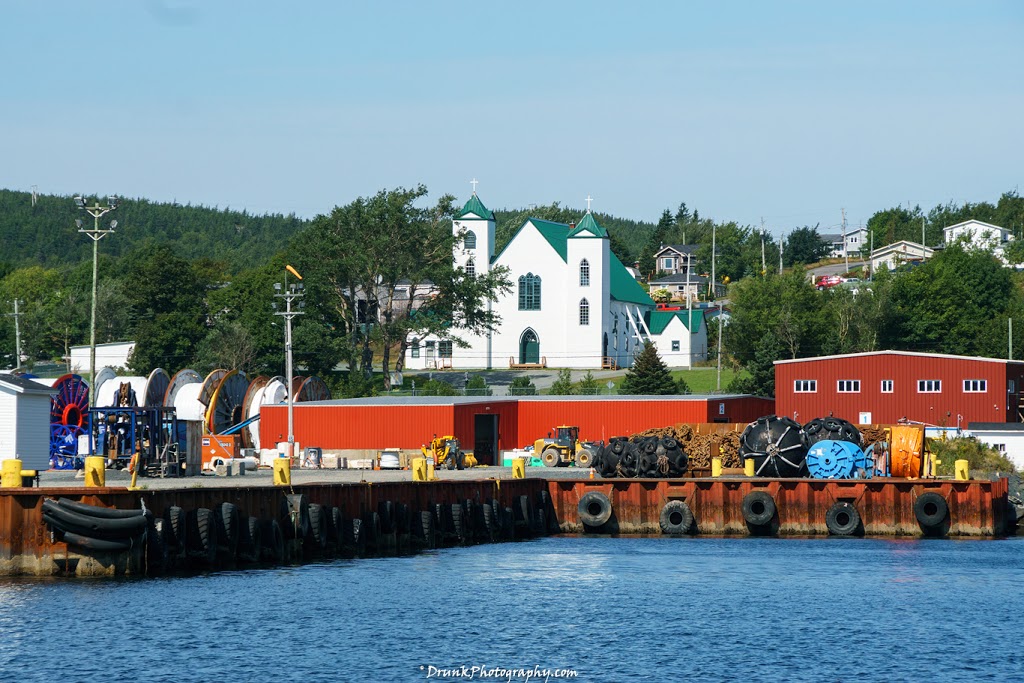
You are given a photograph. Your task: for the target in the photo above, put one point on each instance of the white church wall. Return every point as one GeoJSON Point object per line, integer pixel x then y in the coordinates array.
{"type": "Point", "coordinates": [583, 348]}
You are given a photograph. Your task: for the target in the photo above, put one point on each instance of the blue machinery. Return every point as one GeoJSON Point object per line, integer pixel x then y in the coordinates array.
{"type": "Point", "coordinates": [153, 433]}
{"type": "Point", "coordinates": [841, 460]}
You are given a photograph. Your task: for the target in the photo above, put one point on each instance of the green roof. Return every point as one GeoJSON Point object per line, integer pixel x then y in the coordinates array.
{"type": "Point", "coordinates": [476, 207]}
{"type": "Point", "coordinates": [657, 321]}
{"type": "Point", "coordinates": [625, 287]}
{"type": "Point", "coordinates": [588, 227]}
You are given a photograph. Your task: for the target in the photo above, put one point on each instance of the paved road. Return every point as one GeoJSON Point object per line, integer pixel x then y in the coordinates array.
{"type": "Point", "coordinates": [834, 269]}
{"type": "Point", "coordinates": [265, 477]}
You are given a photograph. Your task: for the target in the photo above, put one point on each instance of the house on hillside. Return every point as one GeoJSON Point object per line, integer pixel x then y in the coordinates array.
{"type": "Point", "coordinates": [573, 304]}
{"type": "Point", "coordinates": [856, 241]}
{"type": "Point", "coordinates": [892, 256]}
{"type": "Point", "coordinates": [978, 235]}
{"type": "Point", "coordinates": [675, 259]}
{"type": "Point", "coordinates": [680, 284]}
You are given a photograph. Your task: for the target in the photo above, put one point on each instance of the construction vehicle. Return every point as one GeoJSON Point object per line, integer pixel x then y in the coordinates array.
{"type": "Point", "coordinates": [565, 449]}
{"type": "Point", "coordinates": [447, 452]}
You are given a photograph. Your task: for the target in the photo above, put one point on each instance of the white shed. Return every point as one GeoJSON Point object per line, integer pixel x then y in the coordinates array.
{"type": "Point", "coordinates": [25, 421]}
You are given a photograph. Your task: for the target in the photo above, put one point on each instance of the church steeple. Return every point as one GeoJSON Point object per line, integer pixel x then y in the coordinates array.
{"type": "Point", "coordinates": [475, 208]}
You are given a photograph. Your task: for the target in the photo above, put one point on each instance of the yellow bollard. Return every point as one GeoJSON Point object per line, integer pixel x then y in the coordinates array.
{"type": "Point", "coordinates": [430, 470]}
{"type": "Point", "coordinates": [962, 470]}
{"type": "Point", "coordinates": [419, 469]}
{"type": "Point", "coordinates": [282, 471]}
{"type": "Point", "coordinates": [748, 467]}
{"type": "Point", "coordinates": [95, 470]}
{"type": "Point", "coordinates": [716, 467]}
{"type": "Point", "coordinates": [10, 475]}
{"type": "Point", "coordinates": [518, 468]}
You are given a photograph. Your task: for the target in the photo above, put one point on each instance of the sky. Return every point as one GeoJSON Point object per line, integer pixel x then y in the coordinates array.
{"type": "Point", "coordinates": [781, 111]}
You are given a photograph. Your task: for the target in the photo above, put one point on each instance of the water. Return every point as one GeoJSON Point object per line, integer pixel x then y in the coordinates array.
{"type": "Point", "coordinates": [617, 610]}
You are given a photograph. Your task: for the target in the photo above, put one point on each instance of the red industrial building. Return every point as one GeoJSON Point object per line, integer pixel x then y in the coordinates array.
{"type": "Point", "coordinates": [887, 386]}
{"type": "Point", "coordinates": [490, 425]}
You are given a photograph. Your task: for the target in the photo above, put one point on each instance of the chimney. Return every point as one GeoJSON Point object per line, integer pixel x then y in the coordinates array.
{"type": "Point", "coordinates": [572, 225]}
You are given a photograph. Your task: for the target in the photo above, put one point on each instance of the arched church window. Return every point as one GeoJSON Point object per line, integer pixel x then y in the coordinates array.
{"type": "Point", "coordinates": [584, 312]}
{"type": "Point", "coordinates": [584, 273]}
{"type": "Point", "coordinates": [529, 292]}
{"type": "Point", "coordinates": [470, 268]}
{"type": "Point", "coordinates": [469, 241]}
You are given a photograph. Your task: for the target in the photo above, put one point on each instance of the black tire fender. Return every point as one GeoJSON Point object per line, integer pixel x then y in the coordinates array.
{"type": "Point", "coordinates": [595, 508]}
{"type": "Point", "coordinates": [842, 519]}
{"type": "Point", "coordinates": [758, 508]}
{"type": "Point", "coordinates": [931, 510]}
{"type": "Point", "coordinates": [676, 518]}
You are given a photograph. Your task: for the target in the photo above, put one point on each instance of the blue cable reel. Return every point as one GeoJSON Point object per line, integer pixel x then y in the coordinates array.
{"type": "Point", "coordinates": [838, 460]}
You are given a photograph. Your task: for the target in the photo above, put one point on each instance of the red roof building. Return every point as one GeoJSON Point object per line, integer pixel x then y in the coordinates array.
{"type": "Point", "coordinates": [883, 387]}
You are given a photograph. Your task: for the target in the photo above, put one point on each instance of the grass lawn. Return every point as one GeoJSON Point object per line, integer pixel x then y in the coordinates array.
{"type": "Point", "coordinates": [700, 380]}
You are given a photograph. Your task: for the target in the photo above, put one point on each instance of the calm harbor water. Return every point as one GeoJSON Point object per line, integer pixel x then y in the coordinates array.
{"type": "Point", "coordinates": [617, 610]}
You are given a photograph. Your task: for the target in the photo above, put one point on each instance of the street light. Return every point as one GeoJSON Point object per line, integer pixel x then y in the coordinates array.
{"type": "Point", "coordinates": [289, 292]}
{"type": "Point", "coordinates": [96, 233]}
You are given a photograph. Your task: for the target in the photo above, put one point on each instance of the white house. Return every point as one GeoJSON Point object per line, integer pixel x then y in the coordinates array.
{"type": "Point", "coordinates": [1005, 437]}
{"type": "Point", "coordinates": [110, 355]}
{"type": "Point", "coordinates": [893, 255]}
{"type": "Point", "coordinates": [856, 240]}
{"type": "Point", "coordinates": [25, 421]}
{"type": "Point", "coordinates": [978, 235]}
{"type": "Point", "coordinates": [573, 304]}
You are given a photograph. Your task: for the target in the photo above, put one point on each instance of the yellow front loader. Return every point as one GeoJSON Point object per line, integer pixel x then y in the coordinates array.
{"type": "Point", "coordinates": [565, 449]}
{"type": "Point", "coordinates": [447, 452]}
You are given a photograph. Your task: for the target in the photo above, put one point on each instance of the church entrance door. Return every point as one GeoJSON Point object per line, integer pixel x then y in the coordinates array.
{"type": "Point", "coordinates": [529, 347]}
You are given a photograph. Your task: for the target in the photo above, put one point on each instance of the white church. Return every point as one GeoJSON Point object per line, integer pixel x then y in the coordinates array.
{"type": "Point", "coordinates": [572, 305]}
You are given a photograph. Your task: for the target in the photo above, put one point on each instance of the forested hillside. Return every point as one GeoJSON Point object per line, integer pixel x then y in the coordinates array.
{"type": "Point", "coordinates": [45, 234]}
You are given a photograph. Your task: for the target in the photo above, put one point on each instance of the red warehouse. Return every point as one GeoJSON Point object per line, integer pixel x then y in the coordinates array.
{"type": "Point", "coordinates": [886, 386]}
{"type": "Point", "coordinates": [490, 425]}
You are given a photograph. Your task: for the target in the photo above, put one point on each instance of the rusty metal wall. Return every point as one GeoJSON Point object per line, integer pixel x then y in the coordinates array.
{"type": "Point", "coordinates": [905, 401]}
{"type": "Point", "coordinates": [886, 506]}
{"type": "Point", "coordinates": [26, 546]}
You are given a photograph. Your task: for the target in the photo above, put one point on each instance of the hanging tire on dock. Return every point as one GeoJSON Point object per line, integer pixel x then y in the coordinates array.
{"type": "Point", "coordinates": [595, 509]}
{"type": "Point", "coordinates": [251, 539]}
{"type": "Point", "coordinates": [842, 519]}
{"type": "Point", "coordinates": [550, 520]}
{"type": "Point", "coordinates": [63, 518]}
{"type": "Point", "coordinates": [386, 510]}
{"type": "Point", "coordinates": [202, 535]}
{"type": "Point", "coordinates": [317, 536]}
{"type": "Point", "coordinates": [157, 556]}
{"type": "Point", "coordinates": [489, 526]}
{"type": "Point", "coordinates": [675, 518]}
{"type": "Point", "coordinates": [776, 445]}
{"type": "Point", "coordinates": [931, 510]}
{"type": "Point", "coordinates": [527, 515]}
{"type": "Point", "coordinates": [372, 531]}
{"type": "Point", "coordinates": [758, 508]}
{"type": "Point", "coordinates": [228, 521]}
{"type": "Point", "coordinates": [427, 531]}
{"type": "Point", "coordinates": [174, 529]}
{"type": "Point", "coordinates": [271, 541]}
{"type": "Point", "coordinates": [830, 429]}
{"type": "Point", "coordinates": [403, 519]}
{"type": "Point", "coordinates": [357, 536]}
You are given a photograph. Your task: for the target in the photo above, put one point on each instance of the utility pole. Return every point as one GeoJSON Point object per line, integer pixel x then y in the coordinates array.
{"type": "Point", "coordinates": [871, 265]}
{"type": "Point", "coordinates": [846, 254]}
{"type": "Point", "coordinates": [714, 282]}
{"type": "Point", "coordinates": [689, 298]}
{"type": "Point", "coordinates": [96, 233]}
{"type": "Point", "coordinates": [764, 268]}
{"type": "Point", "coordinates": [1009, 343]}
{"type": "Point", "coordinates": [780, 254]}
{"type": "Point", "coordinates": [17, 334]}
{"type": "Point", "coordinates": [721, 330]}
{"type": "Point", "coordinates": [922, 240]}
{"type": "Point", "coordinates": [289, 292]}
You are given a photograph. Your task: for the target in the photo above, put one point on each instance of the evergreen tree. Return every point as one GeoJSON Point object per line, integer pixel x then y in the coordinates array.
{"type": "Point", "coordinates": [522, 386]}
{"type": "Point", "coordinates": [588, 385]}
{"type": "Point", "coordinates": [761, 381]}
{"type": "Point", "coordinates": [477, 386]}
{"type": "Point", "coordinates": [649, 376]}
{"type": "Point", "coordinates": [563, 385]}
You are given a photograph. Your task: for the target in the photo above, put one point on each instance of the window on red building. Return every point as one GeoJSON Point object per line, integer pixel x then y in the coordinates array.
{"type": "Point", "coordinates": [929, 386]}
{"type": "Point", "coordinates": [848, 386]}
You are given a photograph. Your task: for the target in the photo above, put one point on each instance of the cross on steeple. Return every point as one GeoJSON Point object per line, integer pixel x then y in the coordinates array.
{"type": "Point", "coordinates": [589, 199]}
{"type": "Point", "coordinates": [474, 182]}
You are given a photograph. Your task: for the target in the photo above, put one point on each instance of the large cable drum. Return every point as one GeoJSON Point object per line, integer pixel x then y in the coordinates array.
{"type": "Point", "coordinates": [263, 391]}
{"type": "Point", "coordinates": [183, 395]}
{"type": "Point", "coordinates": [156, 388]}
{"type": "Point", "coordinates": [68, 410]}
{"type": "Point", "coordinates": [776, 445]}
{"type": "Point", "coordinates": [227, 402]}
{"type": "Point", "coordinates": [310, 388]}
{"type": "Point", "coordinates": [829, 459]}
{"type": "Point", "coordinates": [830, 429]}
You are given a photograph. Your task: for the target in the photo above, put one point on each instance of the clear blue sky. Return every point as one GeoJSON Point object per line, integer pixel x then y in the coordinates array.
{"type": "Point", "coordinates": [742, 109]}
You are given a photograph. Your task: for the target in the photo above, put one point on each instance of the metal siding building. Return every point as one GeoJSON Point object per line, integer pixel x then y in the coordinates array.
{"type": "Point", "coordinates": [490, 425]}
{"type": "Point", "coordinates": [900, 396]}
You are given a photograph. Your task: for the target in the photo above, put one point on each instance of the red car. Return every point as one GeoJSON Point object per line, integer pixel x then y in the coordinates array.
{"type": "Point", "coordinates": [826, 281]}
